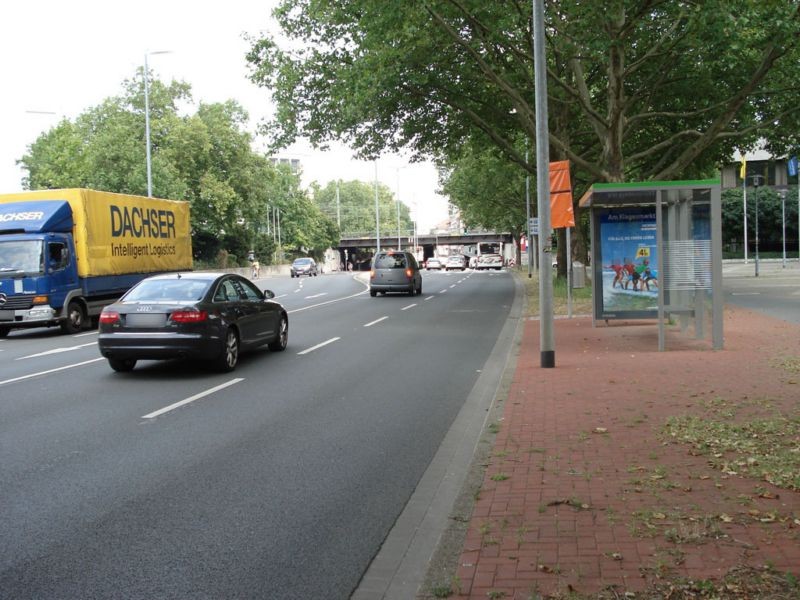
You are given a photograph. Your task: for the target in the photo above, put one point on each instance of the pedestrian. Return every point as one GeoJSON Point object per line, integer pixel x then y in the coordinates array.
{"type": "Point", "coordinates": [256, 269]}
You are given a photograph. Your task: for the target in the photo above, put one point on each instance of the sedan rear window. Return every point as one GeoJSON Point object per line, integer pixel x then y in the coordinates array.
{"type": "Point", "coordinates": [155, 290]}
{"type": "Point", "coordinates": [390, 261]}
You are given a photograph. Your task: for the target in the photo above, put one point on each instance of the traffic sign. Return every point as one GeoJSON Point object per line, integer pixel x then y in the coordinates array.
{"type": "Point", "coordinates": [533, 225]}
{"type": "Point", "coordinates": [793, 166]}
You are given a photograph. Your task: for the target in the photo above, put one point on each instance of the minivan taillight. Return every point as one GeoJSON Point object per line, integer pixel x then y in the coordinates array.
{"type": "Point", "coordinates": [109, 317]}
{"type": "Point", "coordinates": [372, 274]}
{"type": "Point", "coordinates": [189, 316]}
{"type": "Point", "coordinates": [409, 273]}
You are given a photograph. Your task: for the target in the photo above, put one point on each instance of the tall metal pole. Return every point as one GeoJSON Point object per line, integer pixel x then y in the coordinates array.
{"type": "Point", "coordinates": [398, 209]}
{"type": "Point", "coordinates": [546, 341]}
{"type": "Point", "coordinates": [529, 249]}
{"type": "Point", "coordinates": [756, 182]}
{"type": "Point", "coordinates": [783, 223]}
{"type": "Point", "coordinates": [147, 129]}
{"type": "Point", "coordinates": [744, 197]}
{"type": "Point", "coordinates": [147, 119]}
{"type": "Point", "coordinates": [377, 213]}
{"type": "Point", "coordinates": [338, 209]}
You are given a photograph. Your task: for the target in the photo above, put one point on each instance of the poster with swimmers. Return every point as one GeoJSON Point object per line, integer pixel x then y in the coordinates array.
{"type": "Point", "coordinates": [629, 261]}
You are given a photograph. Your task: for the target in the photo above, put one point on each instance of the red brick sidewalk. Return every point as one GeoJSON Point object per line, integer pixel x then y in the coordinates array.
{"type": "Point", "coordinates": [585, 490]}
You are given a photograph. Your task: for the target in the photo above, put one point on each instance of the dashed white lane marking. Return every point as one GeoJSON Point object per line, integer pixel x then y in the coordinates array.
{"type": "Point", "coordinates": [316, 295]}
{"type": "Point", "coordinates": [208, 392]}
{"type": "Point", "coordinates": [318, 346]}
{"type": "Point", "coordinates": [443, 291]}
{"type": "Point", "coordinates": [409, 306]}
{"type": "Point", "coordinates": [31, 375]}
{"type": "Point", "coordinates": [429, 298]}
{"type": "Point", "coordinates": [371, 323]}
{"type": "Point", "coordinates": [452, 286]}
{"type": "Point", "coordinates": [57, 351]}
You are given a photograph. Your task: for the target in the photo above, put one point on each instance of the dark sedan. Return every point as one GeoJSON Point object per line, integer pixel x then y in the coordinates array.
{"type": "Point", "coordinates": [206, 316]}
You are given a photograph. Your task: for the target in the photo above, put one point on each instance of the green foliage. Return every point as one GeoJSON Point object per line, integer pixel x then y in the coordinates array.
{"type": "Point", "coordinates": [770, 220]}
{"type": "Point", "coordinates": [356, 209]}
{"type": "Point", "coordinates": [637, 90]}
{"type": "Point", "coordinates": [205, 158]}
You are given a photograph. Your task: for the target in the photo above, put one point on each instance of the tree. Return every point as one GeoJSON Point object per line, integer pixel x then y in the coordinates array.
{"type": "Point", "coordinates": [205, 158]}
{"type": "Point", "coordinates": [489, 190]}
{"type": "Point", "coordinates": [770, 223]}
{"type": "Point", "coordinates": [356, 210]}
{"type": "Point", "coordinates": [638, 89]}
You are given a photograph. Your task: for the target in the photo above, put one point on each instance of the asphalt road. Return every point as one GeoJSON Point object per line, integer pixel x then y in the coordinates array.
{"type": "Point", "coordinates": [280, 480]}
{"type": "Point", "coordinates": [775, 292]}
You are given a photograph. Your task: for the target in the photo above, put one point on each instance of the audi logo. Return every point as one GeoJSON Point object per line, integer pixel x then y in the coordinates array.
{"type": "Point", "coordinates": [3, 299]}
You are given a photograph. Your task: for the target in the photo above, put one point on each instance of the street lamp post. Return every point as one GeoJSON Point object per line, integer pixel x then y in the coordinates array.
{"type": "Point", "coordinates": [783, 223]}
{"type": "Point", "coordinates": [377, 213]}
{"type": "Point", "coordinates": [147, 120]}
{"type": "Point", "coordinates": [756, 182]}
{"type": "Point", "coordinates": [546, 334]}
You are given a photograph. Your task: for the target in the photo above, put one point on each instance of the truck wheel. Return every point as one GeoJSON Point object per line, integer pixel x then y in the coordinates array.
{"type": "Point", "coordinates": [122, 365]}
{"type": "Point", "coordinates": [230, 352]}
{"type": "Point", "coordinates": [75, 318]}
{"type": "Point", "coordinates": [4, 331]}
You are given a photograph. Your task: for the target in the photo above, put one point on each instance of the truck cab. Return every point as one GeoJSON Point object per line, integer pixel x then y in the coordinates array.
{"type": "Point", "coordinates": [37, 268]}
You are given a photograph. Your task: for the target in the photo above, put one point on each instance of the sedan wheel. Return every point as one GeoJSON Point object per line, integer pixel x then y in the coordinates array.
{"type": "Point", "coordinates": [122, 365]}
{"type": "Point", "coordinates": [230, 353]}
{"type": "Point", "coordinates": [282, 339]}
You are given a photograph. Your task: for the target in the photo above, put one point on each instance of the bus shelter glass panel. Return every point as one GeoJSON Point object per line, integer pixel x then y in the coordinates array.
{"type": "Point", "coordinates": [626, 229]}
{"type": "Point", "coordinates": [686, 274]}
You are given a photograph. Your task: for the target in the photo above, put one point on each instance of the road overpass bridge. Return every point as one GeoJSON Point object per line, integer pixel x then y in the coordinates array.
{"type": "Point", "coordinates": [359, 249]}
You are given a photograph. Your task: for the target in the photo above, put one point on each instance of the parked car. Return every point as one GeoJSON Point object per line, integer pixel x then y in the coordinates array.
{"type": "Point", "coordinates": [433, 263]}
{"type": "Point", "coordinates": [395, 272]}
{"type": "Point", "coordinates": [205, 316]}
{"type": "Point", "coordinates": [303, 266]}
{"type": "Point", "coordinates": [456, 261]}
{"type": "Point", "coordinates": [489, 261]}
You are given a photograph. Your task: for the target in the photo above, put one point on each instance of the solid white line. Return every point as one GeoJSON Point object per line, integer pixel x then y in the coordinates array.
{"type": "Point", "coordinates": [281, 296]}
{"type": "Point", "coordinates": [56, 351]}
{"type": "Point", "coordinates": [375, 321]}
{"type": "Point", "coordinates": [409, 306]}
{"type": "Point", "coordinates": [208, 392]}
{"type": "Point", "coordinates": [23, 377]}
{"type": "Point", "coordinates": [316, 295]}
{"type": "Point", "coordinates": [77, 335]}
{"type": "Point", "coordinates": [318, 346]}
{"type": "Point", "coordinates": [746, 294]}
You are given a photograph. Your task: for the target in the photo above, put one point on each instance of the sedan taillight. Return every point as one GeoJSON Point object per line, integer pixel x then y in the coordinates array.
{"type": "Point", "coordinates": [109, 317]}
{"type": "Point", "coordinates": [189, 316]}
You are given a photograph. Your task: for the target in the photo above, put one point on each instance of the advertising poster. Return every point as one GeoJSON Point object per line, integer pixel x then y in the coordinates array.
{"type": "Point", "coordinates": [629, 261]}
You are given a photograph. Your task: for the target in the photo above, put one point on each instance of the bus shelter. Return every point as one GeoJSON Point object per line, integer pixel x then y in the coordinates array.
{"type": "Point", "coordinates": [657, 254]}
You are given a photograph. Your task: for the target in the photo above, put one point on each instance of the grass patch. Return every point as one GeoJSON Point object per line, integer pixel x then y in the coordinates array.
{"type": "Point", "coordinates": [762, 448]}
{"type": "Point", "coordinates": [581, 297]}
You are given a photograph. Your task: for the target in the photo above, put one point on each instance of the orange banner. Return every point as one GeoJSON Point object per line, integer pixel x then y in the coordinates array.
{"type": "Point", "coordinates": [561, 213]}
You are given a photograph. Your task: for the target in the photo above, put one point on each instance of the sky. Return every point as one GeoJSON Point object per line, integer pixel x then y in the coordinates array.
{"type": "Point", "coordinates": [59, 58]}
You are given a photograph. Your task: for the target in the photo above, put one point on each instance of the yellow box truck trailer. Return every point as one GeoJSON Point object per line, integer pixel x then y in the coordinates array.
{"type": "Point", "coordinates": [65, 254]}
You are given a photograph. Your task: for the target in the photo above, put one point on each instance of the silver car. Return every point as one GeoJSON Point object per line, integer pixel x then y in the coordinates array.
{"type": "Point", "coordinates": [395, 272]}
